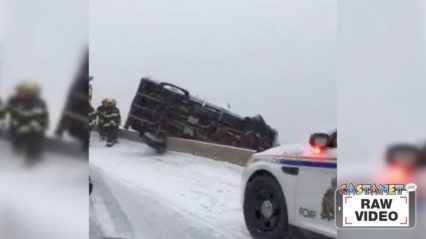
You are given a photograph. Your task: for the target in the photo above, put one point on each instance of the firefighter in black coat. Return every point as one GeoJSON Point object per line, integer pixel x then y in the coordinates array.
{"type": "Point", "coordinates": [92, 118]}
{"type": "Point", "coordinates": [28, 120]}
{"type": "Point", "coordinates": [2, 116]}
{"type": "Point", "coordinates": [109, 120]}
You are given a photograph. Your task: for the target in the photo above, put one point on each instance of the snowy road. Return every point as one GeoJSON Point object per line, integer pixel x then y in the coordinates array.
{"type": "Point", "coordinates": [47, 200]}
{"type": "Point", "coordinates": [140, 194]}
{"type": "Point", "coordinates": [190, 197]}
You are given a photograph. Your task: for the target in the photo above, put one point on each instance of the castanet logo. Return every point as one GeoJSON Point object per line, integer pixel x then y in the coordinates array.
{"type": "Point", "coordinates": [375, 206]}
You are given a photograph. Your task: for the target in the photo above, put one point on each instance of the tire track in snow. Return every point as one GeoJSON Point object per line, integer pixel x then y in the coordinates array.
{"type": "Point", "coordinates": [118, 219]}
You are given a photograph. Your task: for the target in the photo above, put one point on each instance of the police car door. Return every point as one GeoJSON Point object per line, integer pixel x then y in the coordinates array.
{"type": "Point", "coordinates": [316, 184]}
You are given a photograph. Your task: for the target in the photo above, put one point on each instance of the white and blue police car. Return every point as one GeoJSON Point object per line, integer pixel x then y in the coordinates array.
{"type": "Point", "coordinates": [292, 186]}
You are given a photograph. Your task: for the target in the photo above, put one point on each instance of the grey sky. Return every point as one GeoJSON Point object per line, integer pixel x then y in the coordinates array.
{"type": "Point", "coordinates": [272, 57]}
{"type": "Point", "coordinates": [381, 93]}
{"type": "Point", "coordinates": [43, 42]}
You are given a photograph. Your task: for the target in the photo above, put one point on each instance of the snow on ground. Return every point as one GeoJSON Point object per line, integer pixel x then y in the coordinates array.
{"type": "Point", "coordinates": [139, 194]}
{"type": "Point", "coordinates": [48, 200]}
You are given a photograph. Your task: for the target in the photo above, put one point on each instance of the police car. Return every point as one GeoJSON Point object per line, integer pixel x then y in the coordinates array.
{"type": "Point", "coordinates": [292, 185]}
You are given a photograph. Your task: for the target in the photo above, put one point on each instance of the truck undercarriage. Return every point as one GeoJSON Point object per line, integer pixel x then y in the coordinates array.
{"type": "Point", "coordinates": [162, 109]}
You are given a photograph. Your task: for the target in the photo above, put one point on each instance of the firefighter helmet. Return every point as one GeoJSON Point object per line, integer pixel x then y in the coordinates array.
{"type": "Point", "coordinates": [28, 89]}
{"type": "Point", "coordinates": [109, 102]}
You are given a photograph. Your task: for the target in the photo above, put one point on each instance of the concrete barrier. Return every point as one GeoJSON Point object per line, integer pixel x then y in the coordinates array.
{"type": "Point", "coordinates": [60, 146]}
{"type": "Point", "coordinates": [226, 153]}
{"type": "Point", "coordinates": [234, 155]}
{"type": "Point", "coordinates": [129, 135]}
{"type": "Point", "coordinates": [220, 152]}
{"type": "Point", "coordinates": [69, 148]}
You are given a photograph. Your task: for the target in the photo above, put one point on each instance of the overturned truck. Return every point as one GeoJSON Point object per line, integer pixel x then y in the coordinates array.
{"type": "Point", "coordinates": [160, 110]}
{"type": "Point", "coordinates": [74, 118]}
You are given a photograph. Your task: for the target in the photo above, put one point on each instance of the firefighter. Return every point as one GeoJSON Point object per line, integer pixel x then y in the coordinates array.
{"type": "Point", "coordinates": [109, 121]}
{"type": "Point", "coordinates": [28, 120]}
{"type": "Point", "coordinates": [92, 113]}
{"type": "Point", "coordinates": [100, 119]}
{"type": "Point", "coordinates": [2, 116]}
{"type": "Point", "coordinates": [92, 118]}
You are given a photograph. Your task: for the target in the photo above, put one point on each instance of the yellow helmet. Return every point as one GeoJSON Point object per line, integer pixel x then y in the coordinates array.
{"type": "Point", "coordinates": [28, 89]}
{"type": "Point", "coordinates": [109, 101]}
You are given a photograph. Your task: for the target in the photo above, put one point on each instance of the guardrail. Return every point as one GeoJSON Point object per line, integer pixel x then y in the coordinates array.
{"type": "Point", "coordinates": [226, 153]}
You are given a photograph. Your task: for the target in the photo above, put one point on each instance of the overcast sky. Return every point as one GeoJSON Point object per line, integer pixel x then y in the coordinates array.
{"type": "Point", "coordinates": [43, 42]}
{"type": "Point", "coordinates": [381, 93]}
{"type": "Point", "coordinates": [277, 58]}
{"type": "Point", "coordinates": [273, 57]}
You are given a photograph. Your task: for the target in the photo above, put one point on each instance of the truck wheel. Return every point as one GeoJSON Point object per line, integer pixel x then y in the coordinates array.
{"type": "Point", "coordinates": [154, 141]}
{"type": "Point", "coordinates": [265, 210]}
